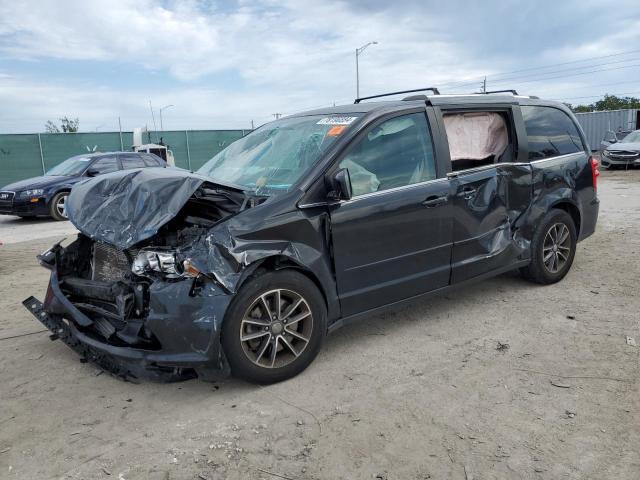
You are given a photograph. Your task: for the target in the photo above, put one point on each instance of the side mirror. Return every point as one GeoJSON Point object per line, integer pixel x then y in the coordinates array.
{"type": "Point", "coordinates": [92, 172]}
{"type": "Point", "coordinates": [341, 185]}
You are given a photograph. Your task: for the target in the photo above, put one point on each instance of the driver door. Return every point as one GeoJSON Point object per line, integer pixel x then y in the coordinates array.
{"type": "Point", "coordinates": [392, 240]}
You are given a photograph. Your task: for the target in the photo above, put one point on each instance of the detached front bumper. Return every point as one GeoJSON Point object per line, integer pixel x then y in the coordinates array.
{"type": "Point", "coordinates": [186, 323]}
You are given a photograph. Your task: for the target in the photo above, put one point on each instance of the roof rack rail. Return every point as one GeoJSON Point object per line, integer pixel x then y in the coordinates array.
{"type": "Point", "coordinates": [500, 91]}
{"type": "Point", "coordinates": [432, 89]}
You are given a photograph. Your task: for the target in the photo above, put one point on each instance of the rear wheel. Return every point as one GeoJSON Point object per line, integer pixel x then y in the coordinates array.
{"type": "Point", "coordinates": [58, 206]}
{"type": "Point", "coordinates": [552, 249]}
{"type": "Point", "coordinates": [274, 327]}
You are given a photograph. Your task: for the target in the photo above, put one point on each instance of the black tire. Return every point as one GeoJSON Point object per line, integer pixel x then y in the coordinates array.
{"type": "Point", "coordinates": [54, 209]}
{"type": "Point", "coordinates": [540, 272]}
{"type": "Point", "coordinates": [238, 352]}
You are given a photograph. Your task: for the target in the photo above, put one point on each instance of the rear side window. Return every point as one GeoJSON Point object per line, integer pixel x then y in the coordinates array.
{"type": "Point", "coordinates": [550, 132]}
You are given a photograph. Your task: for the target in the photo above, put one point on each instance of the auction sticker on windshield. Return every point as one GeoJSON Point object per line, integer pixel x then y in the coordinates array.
{"type": "Point", "coordinates": [336, 120]}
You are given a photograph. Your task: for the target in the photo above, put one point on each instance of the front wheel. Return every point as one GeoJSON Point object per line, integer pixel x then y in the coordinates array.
{"type": "Point", "coordinates": [274, 327]}
{"type": "Point", "coordinates": [58, 206]}
{"type": "Point", "coordinates": [552, 249]}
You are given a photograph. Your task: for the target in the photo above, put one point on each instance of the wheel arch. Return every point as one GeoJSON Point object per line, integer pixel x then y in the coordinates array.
{"type": "Point", "coordinates": [64, 189]}
{"type": "Point", "coordinates": [282, 262]}
{"type": "Point", "coordinates": [573, 211]}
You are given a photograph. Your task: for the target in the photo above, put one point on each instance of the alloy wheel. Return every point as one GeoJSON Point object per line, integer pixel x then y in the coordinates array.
{"type": "Point", "coordinates": [61, 206]}
{"type": "Point", "coordinates": [276, 328]}
{"type": "Point", "coordinates": [556, 248]}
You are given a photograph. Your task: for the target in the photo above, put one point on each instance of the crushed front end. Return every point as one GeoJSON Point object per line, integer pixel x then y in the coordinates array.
{"type": "Point", "coordinates": [164, 327]}
{"type": "Point", "coordinates": [142, 309]}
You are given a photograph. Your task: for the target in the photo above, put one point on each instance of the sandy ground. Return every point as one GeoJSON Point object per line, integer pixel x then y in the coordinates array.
{"type": "Point", "coordinates": [421, 393]}
{"type": "Point", "coordinates": [16, 229]}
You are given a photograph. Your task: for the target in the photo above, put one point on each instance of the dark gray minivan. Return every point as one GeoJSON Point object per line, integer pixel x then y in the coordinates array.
{"type": "Point", "coordinates": [310, 222]}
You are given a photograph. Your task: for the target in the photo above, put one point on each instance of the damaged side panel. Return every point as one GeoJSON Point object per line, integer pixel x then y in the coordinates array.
{"type": "Point", "coordinates": [490, 207]}
{"type": "Point", "coordinates": [232, 251]}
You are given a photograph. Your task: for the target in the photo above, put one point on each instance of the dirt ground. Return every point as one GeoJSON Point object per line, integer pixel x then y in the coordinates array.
{"type": "Point", "coordinates": [425, 392]}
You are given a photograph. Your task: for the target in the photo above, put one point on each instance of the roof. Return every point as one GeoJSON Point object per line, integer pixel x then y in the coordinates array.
{"type": "Point", "coordinates": [436, 100]}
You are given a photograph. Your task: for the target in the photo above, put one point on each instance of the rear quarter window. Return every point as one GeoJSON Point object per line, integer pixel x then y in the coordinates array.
{"type": "Point", "coordinates": [550, 132]}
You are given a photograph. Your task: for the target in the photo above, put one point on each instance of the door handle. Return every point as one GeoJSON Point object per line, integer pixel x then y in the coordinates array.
{"type": "Point", "coordinates": [467, 193]}
{"type": "Point", "coordinates": [435, 200]}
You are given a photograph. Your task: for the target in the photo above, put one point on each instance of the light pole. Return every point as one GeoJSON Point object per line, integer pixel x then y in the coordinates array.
{"type": "Point", "coordinates": [163, 108]}
{"type": "Point", "coordinates": [358, 52]}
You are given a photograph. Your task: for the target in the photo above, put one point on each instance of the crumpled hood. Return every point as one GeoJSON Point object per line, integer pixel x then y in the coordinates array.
{"type": "Point", "coordinates": [628, 146]}
{"type": "Point", "coordinates": [126, 207]}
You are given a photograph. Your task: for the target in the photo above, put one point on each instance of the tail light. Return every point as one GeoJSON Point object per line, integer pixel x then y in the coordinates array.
{"type": "Point", "coordinates": [595, 173]}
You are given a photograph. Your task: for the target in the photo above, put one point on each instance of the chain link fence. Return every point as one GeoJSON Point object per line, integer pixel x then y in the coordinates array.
{"type": "Point", "coordinates": [29, 155]}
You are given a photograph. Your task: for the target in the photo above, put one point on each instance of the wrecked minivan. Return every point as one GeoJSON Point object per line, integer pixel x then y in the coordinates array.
{"type": "Point", "coordinates": [310, 222]}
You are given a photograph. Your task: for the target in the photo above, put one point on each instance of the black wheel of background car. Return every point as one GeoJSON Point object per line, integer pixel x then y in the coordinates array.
{"type": "Point", "coordinates": [58, 206]}
{"type": "Point", "coordinates": [274, 327]}
{"type": "Point", "coordinates": [552, 249]}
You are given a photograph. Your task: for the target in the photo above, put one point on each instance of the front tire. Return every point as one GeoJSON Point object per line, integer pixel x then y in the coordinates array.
{"type": "Point", "coordinates": [58, 206]}
{"type": "Point", "coordinates": [552, 249]}
{"type": "Point", "coordinates": [274, 327]}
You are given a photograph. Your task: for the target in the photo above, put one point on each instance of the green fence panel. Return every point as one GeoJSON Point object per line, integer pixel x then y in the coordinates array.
{"type": "Point", "coordinates": [19, 158]}
{"type": "Point", "coordinates": [20, 155]}
{"type": "Point", "coordinates": [204, 144]}
{"type": "Point", "coordinates": [176, 141]}
{"type": "Point", "coordinates": [58, 147]}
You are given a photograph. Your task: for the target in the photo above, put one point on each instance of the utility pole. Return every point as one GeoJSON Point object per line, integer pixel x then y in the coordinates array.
{"type": "Point", "coordinates": [484, 85]}
{"type": "Point", "coordinates": [358, 52]}
{"type": "Point", "coordinates": [154, 120]}
{"type": "Point", "coordinates": [252, 127]}
{"type": "Point", "coordinates": [120, 129]}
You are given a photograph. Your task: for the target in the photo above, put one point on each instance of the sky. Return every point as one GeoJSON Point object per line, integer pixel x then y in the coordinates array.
{"type": "Point", "coordinates": [222, 65]}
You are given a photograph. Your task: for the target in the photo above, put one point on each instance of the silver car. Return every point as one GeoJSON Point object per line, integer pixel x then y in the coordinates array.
{"type": "Point", "coordinates": [624, 153]}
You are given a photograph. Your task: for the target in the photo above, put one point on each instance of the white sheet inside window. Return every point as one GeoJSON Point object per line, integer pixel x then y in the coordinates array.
{"type": "Point", "coordinates": [476, 136]}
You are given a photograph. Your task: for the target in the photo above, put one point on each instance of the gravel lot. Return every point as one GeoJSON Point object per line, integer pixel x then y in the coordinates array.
{"type": "Point", "coordinates": [424, 392]}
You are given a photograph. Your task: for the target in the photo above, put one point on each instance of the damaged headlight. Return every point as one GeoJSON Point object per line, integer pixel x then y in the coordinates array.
{"type": "Point", "coordinates": [162, 261]}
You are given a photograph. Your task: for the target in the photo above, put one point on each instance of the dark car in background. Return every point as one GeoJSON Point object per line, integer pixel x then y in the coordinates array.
{"type": "Point", "coordinates": [624, 153]}
{"type": "Point", "coordinates": [311, 222]}
{"type": "Point", "coordinates": [47, 195]}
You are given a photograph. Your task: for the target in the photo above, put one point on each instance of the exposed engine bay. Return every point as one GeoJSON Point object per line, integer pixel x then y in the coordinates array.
{"type": "Point", "coordinates": [110, 286]}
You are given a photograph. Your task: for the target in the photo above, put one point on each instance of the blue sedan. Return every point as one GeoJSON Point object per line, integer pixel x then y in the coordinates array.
{"type": "Point", "coordinates": [47, 195]}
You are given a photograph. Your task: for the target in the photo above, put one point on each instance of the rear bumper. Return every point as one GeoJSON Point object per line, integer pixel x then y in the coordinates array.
{"type": "Point", "coordinates": [186, 325]}
{"type": "Point", "coordinates": [589, 218]}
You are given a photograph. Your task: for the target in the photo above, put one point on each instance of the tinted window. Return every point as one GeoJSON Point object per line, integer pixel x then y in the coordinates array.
{"type": "Point", "coordinates": [395, 153]}
{"type": "Point", "coordinates": [105, 165]}
{"type": "Point", "coordinates": [550, 132]}
{"type": "Point", "coordinates": [152, 160]}
{"type": "Point", "coordinates": [131, 160]}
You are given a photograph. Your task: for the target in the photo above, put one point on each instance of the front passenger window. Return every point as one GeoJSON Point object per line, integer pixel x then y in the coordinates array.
{"type": "Point", "coordinates": [105, 165]}
{"type": "Point", "coordinates": [395, 153]}
{"type": "Point", "coordinates": [131, 160]}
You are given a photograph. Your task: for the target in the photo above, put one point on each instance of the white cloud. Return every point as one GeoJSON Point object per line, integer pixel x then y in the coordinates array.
{"type": "Point", "coordinates": [281, 56]}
